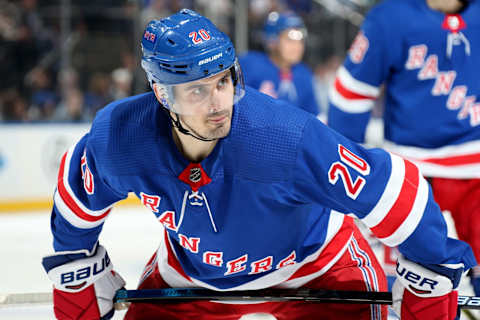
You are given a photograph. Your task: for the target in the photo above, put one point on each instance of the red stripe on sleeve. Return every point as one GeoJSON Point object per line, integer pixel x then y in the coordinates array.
{"type": "Point", "coordinates": [66, 197]}
{"type": "Point", "coordinates": [402, 206]}
{"type": "Point", "coordinates": [348, 94]}
{"type": "Point", "coordinates": [455, 160]}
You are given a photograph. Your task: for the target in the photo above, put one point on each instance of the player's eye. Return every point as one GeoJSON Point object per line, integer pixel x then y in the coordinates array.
{"type": "Point", "coordinates": [224, 82]}
{"type": "Point", "coordinates": [197, 94]}
{"type": "Point", "coordinates": [198, 91]}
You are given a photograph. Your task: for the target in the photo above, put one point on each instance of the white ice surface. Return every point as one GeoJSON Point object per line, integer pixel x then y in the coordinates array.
{"type": "Point", "coordinates": [131, 235]}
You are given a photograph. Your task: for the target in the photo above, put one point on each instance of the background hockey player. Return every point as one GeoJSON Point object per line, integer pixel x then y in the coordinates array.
{"type": "Point", "coordinates": [432, 113]}
{"type": "Point", "coordinates": [249, 190]}
{"type": "Point", "coordinates": [279, 72]}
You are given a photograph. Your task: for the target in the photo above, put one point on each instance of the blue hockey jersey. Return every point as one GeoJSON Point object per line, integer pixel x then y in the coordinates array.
{"type": "Point", "coordinates": [429, 63]}
{"type": "Point", "coordinates": [295, 86]}
{"type": "Point", "coordinates": [262, 209]}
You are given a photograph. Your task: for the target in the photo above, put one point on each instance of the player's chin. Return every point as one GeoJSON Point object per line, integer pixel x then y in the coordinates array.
{"type": "Point", "coordinates": [220, 131]}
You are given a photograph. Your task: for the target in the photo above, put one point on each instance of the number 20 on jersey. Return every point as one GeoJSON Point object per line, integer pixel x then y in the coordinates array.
{"type": "Point", "coordinates": [339, 169]}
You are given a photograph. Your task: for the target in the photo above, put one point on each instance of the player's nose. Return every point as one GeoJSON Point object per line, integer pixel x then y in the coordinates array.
{"type": "Point", "coordinates": [215, 102]}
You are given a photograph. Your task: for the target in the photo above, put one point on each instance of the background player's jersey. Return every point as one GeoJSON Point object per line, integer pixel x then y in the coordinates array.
{"type": "Point", "coordinates": [295, 86]}
{"type": "Point", "coordinates": [256, 212]}
{"type": "Point", "coordinates": [429, 62]}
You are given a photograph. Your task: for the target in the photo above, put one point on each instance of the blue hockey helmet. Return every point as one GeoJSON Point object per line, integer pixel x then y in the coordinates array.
{"type": "Point", "coordinates": [186, 47]}
{"type": "Point", "coordinates": [278, 22]}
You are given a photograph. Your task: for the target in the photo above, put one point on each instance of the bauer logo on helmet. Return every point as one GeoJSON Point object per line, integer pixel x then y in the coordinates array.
{"type": "Point", "coordinates": [210, 59]}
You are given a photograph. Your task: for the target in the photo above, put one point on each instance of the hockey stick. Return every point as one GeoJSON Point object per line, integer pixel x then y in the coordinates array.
{"type": "Point", "coordinates": [12, 299]}
{"type": "Point", "coordinates": [192, 294]}
{"type": "Point", "coordinates": [469, 314]}
{"type": "Point", "coordinates": [307, 295]}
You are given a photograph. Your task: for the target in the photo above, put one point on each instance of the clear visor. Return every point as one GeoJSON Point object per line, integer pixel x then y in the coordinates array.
{"type": "Point", "coordinates": [208, 95]}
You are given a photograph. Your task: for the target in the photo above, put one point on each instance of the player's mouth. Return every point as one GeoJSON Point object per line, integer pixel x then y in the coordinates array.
{"type": "Point", "coordinates": [218, 119]}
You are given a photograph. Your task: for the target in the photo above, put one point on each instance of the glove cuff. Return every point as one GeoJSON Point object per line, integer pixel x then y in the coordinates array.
{"type": "Point", "coordinates": [79, 274]}
{"type": "Point", "coordinates": [421, 281]}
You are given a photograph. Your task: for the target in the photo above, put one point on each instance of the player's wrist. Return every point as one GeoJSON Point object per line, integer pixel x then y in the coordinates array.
{"type": "Point", "coordinates": [428, 281]}
{"type": "Point", "coordinates": [75, 275]}
{"type": "Point", "coordinates": [426, 291]}
{"type": "Point", "coordinates": [84, 283]}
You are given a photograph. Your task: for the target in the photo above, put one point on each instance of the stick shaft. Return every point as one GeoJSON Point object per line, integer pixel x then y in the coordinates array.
{"type": "Point", "coordinates": [193, 294]}
{"type": "Point", "coordinates": [308, 295]}
{"type": "Point", "coordinates": [25, 298]}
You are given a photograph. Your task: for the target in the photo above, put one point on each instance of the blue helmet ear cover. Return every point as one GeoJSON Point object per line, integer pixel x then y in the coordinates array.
{"type": "Point", "coordinates": [184, 47]}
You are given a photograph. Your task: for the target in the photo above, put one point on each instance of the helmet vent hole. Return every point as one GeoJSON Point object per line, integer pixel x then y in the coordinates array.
{"type": "Point", "coordinates": [171, 42]}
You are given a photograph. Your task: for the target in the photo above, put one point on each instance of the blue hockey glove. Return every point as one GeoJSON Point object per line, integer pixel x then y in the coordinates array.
{"type": "Point", "coordinates": [84, 285]}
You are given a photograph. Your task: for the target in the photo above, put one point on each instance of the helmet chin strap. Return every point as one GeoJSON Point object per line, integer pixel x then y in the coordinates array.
{"type": "Point", "coordinates": [177, 124]}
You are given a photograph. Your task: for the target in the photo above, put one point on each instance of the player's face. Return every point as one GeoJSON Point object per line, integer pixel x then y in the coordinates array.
{"type": "Point", "coordinates": [210, 104]}
{"type": "Point", "coordinates": [291, 46]}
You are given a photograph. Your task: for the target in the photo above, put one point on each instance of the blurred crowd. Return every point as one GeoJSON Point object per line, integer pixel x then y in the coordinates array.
{"type": "Point", "coordinates": [66, 70]}
{"type": "Point", "coordinates": [38, 85]}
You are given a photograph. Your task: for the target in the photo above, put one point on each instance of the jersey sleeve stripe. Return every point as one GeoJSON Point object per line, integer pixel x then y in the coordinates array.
{"type": "Point", "coordinates": [402, 205]}
{"type": "Point", "coordinates": [455, 160]}
{"type": "Point", "coordinates": [347, 94]}
{"type": "Point", "coordinates": [413, 219]}
{"type": "Point", "coordinates": [355, 86]}
{"type": "Point", "coordinates": [349, 105]}
{"type": "Point", "coordinates": [70, 216]}
{"type": "Point", "coordinates": [351, 95]}
{"type": "Point", "coordinates": [460, 161]}
{"type": "Point", "coordinates": [69, 198]}
{"type": "Point", "coordinates": [470, 149]}
{"type": "Point", "coordinates": [390, 194]}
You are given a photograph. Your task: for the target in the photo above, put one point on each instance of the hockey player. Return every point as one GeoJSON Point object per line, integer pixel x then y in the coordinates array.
{"type": "Point", "coordinates": [280, 72]}
{"type": "Point", "coordinates": [250, 192]}
{"type": "Point", "coordinates": [429, 67]}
